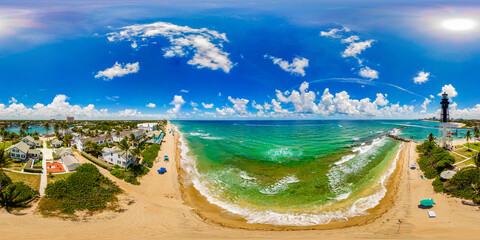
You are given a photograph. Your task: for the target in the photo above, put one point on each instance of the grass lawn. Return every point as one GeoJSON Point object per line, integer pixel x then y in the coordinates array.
{"type": "Point", "coordinates": [466, 163]}
{"type": "Point", "coordinates": [5, 144]}
{"type": "Point", "coordinates": [475, 146]}
{"type": "Point", "coordinates": [18, 166]}
{"type": "Point", "coordinates": [32, 180]}
{"type": "Point", "coordinates": [466, 152]}
{"type": "Point", "coordinates": [56, 177]}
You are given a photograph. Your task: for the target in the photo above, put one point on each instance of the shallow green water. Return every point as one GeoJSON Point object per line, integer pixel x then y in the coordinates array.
{"type": "Point", "coordinates": [292, 172]}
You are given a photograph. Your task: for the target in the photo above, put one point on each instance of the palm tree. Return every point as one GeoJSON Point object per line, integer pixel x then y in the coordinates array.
{"type": "Point", "coordinates": [124, 145]}
{"type": "Point", "coordinates": [476, 160]}
{"type": "Point", "coordinates": [476, 133]}
{"type": "Point", "coordinates": [24, 127]}
{"type": "Point", "coordinates": [136, 152]}
{"type": "Point", "coordinates": [5, 161]}
{"type": "Point", "coordinates": [468, 136]}
{"type": "Point", "coordinates": [56, 127]}
{"type": "Point", "coordinates": [431, 138]}
{"type": "Point", "coordinates": [47, 128]}
{"type": "Point", "coordinates": [64, 127]}
{"type": "Point", "coordinates": [16, 195]}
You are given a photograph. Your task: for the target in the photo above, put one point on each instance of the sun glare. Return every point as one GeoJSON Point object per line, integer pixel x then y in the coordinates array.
{"type": "Point", "coordinates": [459, 24]}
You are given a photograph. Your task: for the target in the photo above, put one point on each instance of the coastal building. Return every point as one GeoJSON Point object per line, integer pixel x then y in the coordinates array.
{"type": "Point", "coordinates": [66, 156]}
{"type": "Point", "coordinates": [80, 142]}
{"type": "Point", "coordinates": [52, 120]}
{"type": "Point", "coordinates": [117, 156]}
{"type": "Point", "coordinates": [139, 133]}
{"type": "Point", "coordinates": [23, 151]}
{"type": "Point", "coordinates": [147, 126]}
{"type": "Point", "coordinates": [56, 143]}
{"type": "Point", "coordinates": [70, 119]}
{"type": "Point", "coordinates": [29, 141]}
{"type": "Point", "coordinates": [38, 143]}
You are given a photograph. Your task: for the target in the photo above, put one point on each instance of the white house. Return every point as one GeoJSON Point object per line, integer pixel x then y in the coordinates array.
{"type": "Point", "coordinates": [29, 141]}
{"type": "Point", "coordinates": [147, 126]}
{"type": "Point", "coordinates": [80, 142]}
{"type": "Point", "coordinates": [23, 151]}
{"type": "Point", "coordinates": [139, 133]}
{"type": "Point", "coordinates": [68, 159]}
{"type": "Point", "coordinates": [117, 156]}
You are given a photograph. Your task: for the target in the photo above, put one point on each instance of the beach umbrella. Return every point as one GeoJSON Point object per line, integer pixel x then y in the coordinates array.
{"type": "Point", "coordinates": [447, 174]}
{"type": "Point", "coordinates": [427, 202]}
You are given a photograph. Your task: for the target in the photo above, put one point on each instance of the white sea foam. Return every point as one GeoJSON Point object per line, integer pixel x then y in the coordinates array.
{"type": "Point", "coordinates": [275, 218]}
{"type": "Point", "coordinates": [199, 134]}
{"type": "Point", "coordinates": [245, 175]}
{"type": "Point", "coordinates": [204, 135]}
{"type": "Point", "coordinates": [279, 186]}
{"type": "Point", "coordinates": [345, 159]}
{"type": "Point", "coordinates": [343, 196]}
{"type": "Point", "coordinates": [282, 152]}
{"type": "Point", "coordinates": [338, 174]}
{"type": "Point", "coordinates": [355, 138]}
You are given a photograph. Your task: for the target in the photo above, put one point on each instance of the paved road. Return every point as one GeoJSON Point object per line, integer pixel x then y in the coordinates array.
{"type": "Point", "coordinates": [47, 155]}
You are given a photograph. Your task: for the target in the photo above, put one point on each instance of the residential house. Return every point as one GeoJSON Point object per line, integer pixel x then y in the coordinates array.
{"type": "Point", "coordinates": [80, 142]}
{"type": "Point", "coordinates": [147, 126]}
{"type": "Point", "coordinates": [38, 143]}
{"type": "Point", "coordinates": [117, 156]}
{"type": "Point", "coordinates": [23, 151]}
{"type": "Point", "coordinates": [56, 143]}
{"type": "Point", "coordinates": [69, 161]}
{"type": "Point", "coordinates": [139, 133]}
{"type": "Point", "coordinates": [29, 140]}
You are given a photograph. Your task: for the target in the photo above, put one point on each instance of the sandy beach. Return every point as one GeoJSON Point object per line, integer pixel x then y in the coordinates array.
{"type": "Point", "coordinates": [162, 208]}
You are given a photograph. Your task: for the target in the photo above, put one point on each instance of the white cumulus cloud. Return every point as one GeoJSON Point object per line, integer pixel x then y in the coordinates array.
{"type": "Point", "coordinates": [355, 48]}
{"type": "Point", "coordinates": [205, 105]}
{"type": "Point", "coordinates": [151, 105]}
{"type": "Point", "coordinates": [177, 103]}
{"type": "Point", "coordinates": [422, 77]}
{"type": "Point", "coordinates": [449, 89]}
{"type": "Point", "coordinates": [297, 66]}
{"type": "Point", "coordinates": [202, 46]}
{"type": "Point", "coordinates": [118, 70]}
{"type": "Point", "coordinates": [367, 72]}
{"type": "Point", "coordinates": [424, 105]}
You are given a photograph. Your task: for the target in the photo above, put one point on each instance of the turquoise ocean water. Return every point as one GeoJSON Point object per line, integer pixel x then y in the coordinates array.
{"type": "Point", "coordinates": [294, 172]}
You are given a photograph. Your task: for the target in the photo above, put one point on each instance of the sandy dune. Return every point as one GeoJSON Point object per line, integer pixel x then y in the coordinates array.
{"type": "Point", "coordinates": [160, 213]}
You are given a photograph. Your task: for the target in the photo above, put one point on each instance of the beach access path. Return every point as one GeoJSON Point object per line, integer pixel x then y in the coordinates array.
{"type": "Point", "coordinates": [158, 212]}
{"type": "Point", "coordinates": [47, 155]}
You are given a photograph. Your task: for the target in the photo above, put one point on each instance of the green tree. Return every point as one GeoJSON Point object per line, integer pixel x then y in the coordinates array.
{"type": "Point", "coordinates": [476, 160]}
{"type": "Point", "coordinates": [136, 152]}
{"type": "Point", "coordinates": [47, 127]}
{"type": "Point", "coordinates": [125, 146]}
{"type": "Point", "coordinates": [431, 138]}
{"type": "Point", "coordinates": [476, 133]}
{"type": "Point", "coordinates": [468, 136]}
{"type": "Point", "coordinates": [5, 161]}
{"type": "Point", "coordinates": [24, 127]}
{"type": "Point", "coordinates": [16, 195]}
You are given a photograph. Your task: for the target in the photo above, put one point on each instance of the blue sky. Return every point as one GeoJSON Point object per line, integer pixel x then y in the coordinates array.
{"type": "Point", "coordinates": [242, 59]}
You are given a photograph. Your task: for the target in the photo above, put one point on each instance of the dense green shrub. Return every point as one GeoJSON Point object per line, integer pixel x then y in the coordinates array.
{"type": "Point", "coordinates": [86, 189]}
{"type": "Point", "coordinates": [33, 170]}
{"type": "Point", "coordinates": [438, 185]}
{"type": "Point", "coordinates": [130, 174]}
{"type": "Point", "coordinates": [433, 160]}
{"type": "Point", "coordinates": [5, 179]}
{"type": "Point", "coordinates": [97, 161]}
{"type": "Point", "coordinates": [150, 155]}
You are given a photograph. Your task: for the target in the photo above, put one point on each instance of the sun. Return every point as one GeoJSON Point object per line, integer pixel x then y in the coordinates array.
{"type": "Point", "coordinates": [458, 24]}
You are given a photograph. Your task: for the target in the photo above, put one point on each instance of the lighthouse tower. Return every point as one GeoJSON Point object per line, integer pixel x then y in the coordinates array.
{"type": "Point", "coordinates": [445, 131]}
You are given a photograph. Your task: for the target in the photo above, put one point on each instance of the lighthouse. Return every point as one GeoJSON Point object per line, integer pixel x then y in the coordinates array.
{"type": "Point", "coordinates": [445, 133]}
